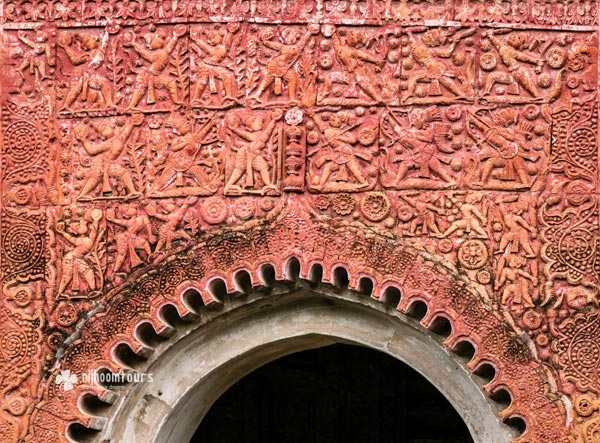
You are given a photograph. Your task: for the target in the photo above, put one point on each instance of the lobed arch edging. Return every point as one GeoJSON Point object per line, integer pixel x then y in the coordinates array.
{"type": "Point", "coordinates": [262, 254]}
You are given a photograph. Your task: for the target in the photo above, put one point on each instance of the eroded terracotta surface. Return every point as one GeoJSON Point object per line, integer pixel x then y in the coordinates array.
{"type": "Point", "coordinates": [448, 149]}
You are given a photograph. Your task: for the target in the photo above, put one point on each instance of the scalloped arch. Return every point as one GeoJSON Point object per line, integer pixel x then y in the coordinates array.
{"type": "Point", "coordinates": [263, 252]}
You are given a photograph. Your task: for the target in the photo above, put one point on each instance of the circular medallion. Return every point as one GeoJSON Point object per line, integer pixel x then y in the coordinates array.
{"type": "Point", "coordinates": [22, 297]}
{"type": "Point", "coordinates": [293, 117]}
{"type": "Point", "coordinates": [484, 277]}
{"type": "Point", "coordinates": [585, 354]}
{"type": "Point", "coordinates": [532, 319]}
{"type": "Point", "coordinates": [584, 405]}
{"type": "Point", "coordinates": [22, 142]}
{"type": "Point", "coordinates": [13, 344]}
{"type": "Point", "coordinates": [445, 245]}
{"type": "Point", "coordinates": [488, 61]}
{"type": "Point", "coordinates": [244, 208]}
{"type": "Point", "coordinates": [343, 204]}
{"type": "Point", "coordinates": [375, 206]}
{"type": "Point", "coordinates": [472, 254]}
{"type": "Point", "coordinates": [577, 245]}
{"type": "Point", "coordinates": [367, 136]}
{"type": "Point", "coordinates": [66, 314]}
{"type": "Point", "coordinates": [581, 142]}
{"type": "Point", "coordinates": [22, 244]}
{"type": "Point", "coordinates": [214, 210]}
{"type": "Point", "coordinates": [322, 202]}
{"type": "Point", "coordinates": [556, 58]}
{"type": "Point", "coordinates": [17, 406]}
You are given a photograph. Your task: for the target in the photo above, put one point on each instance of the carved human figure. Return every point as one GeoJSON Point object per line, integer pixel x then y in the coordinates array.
{"type": "Point", "coordinates": [517, 230]}
{"type": "Point", "coordinates": [282, 67]}
{"type": "Point", "coordinates": [38, 56]}
{"type": "Point", "coordinates": [470, 219]}
{"type": "Point", "coordinates": [513, 57]}
{"type": "Point", "coordinates": [425, 217]}
{"type": "Point", "coordinates": [158, 54]}
{"type": "Point", "coordinates": [338, 154]}
{"type": "Point", "coordinates": [418, 149]}
{"type": "Point", "coordinates": [516, 291]}
{"type": "Point", "coordinates": [182, 160]}
{"type": "Point", "coordinates": [83, 236]}
{"type": "Point", "coordinates": [251, 156]}
{"type": "Point", "coordinates": [212, 52]}
{"type": "Point", "coordinates": [106, 155]}
{"type": "Point", "coordinates": [86, 52]}
{"type": "Point", "coordinates": [171, 230]}
{"type": "Point", "coordinates": [504, 148]}
{"type": "Point", "coordinates": [137, 235]}
{"type": "Point", "coordinates": [428, 54]}
{"type": "Point", "coordinates": [355, 62]}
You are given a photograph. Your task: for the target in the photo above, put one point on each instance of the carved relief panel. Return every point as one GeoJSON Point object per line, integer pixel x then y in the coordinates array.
{"type": "Point", "coordinates": [465, 130]}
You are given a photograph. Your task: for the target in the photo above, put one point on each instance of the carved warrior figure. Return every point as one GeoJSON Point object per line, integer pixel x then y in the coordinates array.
{"type": "Point", "coordinates": [137, 235]}
{"type": "Point", "coordinates": [425, 216]}
{"type": "Point", "coordinates": [518, 229]}
{"type": "Point", "coordinates": [434, 71]}
{"type": "Point", "coordinates": [502, 147]}
{"type": "Point", "coordinates": [212, 53]}
{"type": "Point", "coordinates": [87, 85]}
{"type": "Point", "coordinates": [173, 216]}
{"type": "Point", "coordinates": [339, 155]}
{"type": "Point", "coordinates": [418, 149]}
{"type": "Point", "coordinates": [512, 57]}
{"type": "Point", "coordinates": [158, 54]}
{"type": "Point", "coordinates": [184, 170]}
{"type": "Point", "coordinates": [75, 263]}
{"type": "Point", "coordinates": [354, 60]}
{"type": "Point", "coordinates": [255, 155]}
{"type": "Point", "coordinates": [282, 67]}
{"type": "Point", "coordinates": [107, 153]}
{"type": "Point", "coordinates": [38, 57]}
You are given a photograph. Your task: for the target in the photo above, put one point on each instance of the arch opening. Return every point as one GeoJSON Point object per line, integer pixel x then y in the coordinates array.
{"type": "Point", "coordinates": [193, 372]}
{"type": "Point", "coordinates": [335, 393]}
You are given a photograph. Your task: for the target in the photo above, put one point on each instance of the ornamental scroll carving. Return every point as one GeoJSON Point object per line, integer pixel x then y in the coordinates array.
{"type": "Point", "coordinates": [145, 141]}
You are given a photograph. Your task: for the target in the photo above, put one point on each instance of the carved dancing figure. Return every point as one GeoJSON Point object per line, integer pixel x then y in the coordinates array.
{"type": "Point", "coordinates": [137, 235]}
{"type": "Point", "coordinates": [74, 262]}
{"type": "Point", "coordinates": [250, 156]}
{"type": "Point", "coordinates": [517, 289]}
{"type": "Point", "coordinates": [471, 218]}
{"type": "Point", "coordinates": [88, 59]}
{"type": "Point", "coordinates": [211, 54]}
{"type": "Point", "coordinates": [339, 155]}
{"type": "Point", "coordinates": [354, 61]}
{"type": "Point", "coordinates": [39, 55]}
{"type": "Point", "coordinates": [158, 54]}
{"type": "Point", "coordinates": [418, 149]}
{"type": "Point", "coordinates": [106, 154]}
{"type": "Point", "coordinates": [512, 57]}
{"type": "Point", "coordinates": [282, 66]}
{"type": "Point", "coordinates": [181, 159]}
{"type": "Point", "coordinates": [427, 55]}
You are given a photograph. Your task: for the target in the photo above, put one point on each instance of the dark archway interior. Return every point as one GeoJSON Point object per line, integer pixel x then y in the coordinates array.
{"type": "Point", "coordinates": [338, 393]}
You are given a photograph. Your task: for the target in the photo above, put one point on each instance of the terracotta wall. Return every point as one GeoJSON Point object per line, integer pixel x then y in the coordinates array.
{"type": "Point", "coordinates": [447, 148]}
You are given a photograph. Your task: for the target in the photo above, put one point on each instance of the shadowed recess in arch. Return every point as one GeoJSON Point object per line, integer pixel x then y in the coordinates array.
{"type": "Point", "coordinates": [333, 394]}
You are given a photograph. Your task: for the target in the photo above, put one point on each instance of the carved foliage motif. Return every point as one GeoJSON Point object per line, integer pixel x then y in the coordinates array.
{"type": "Point", "coordinates": [447, 146]}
